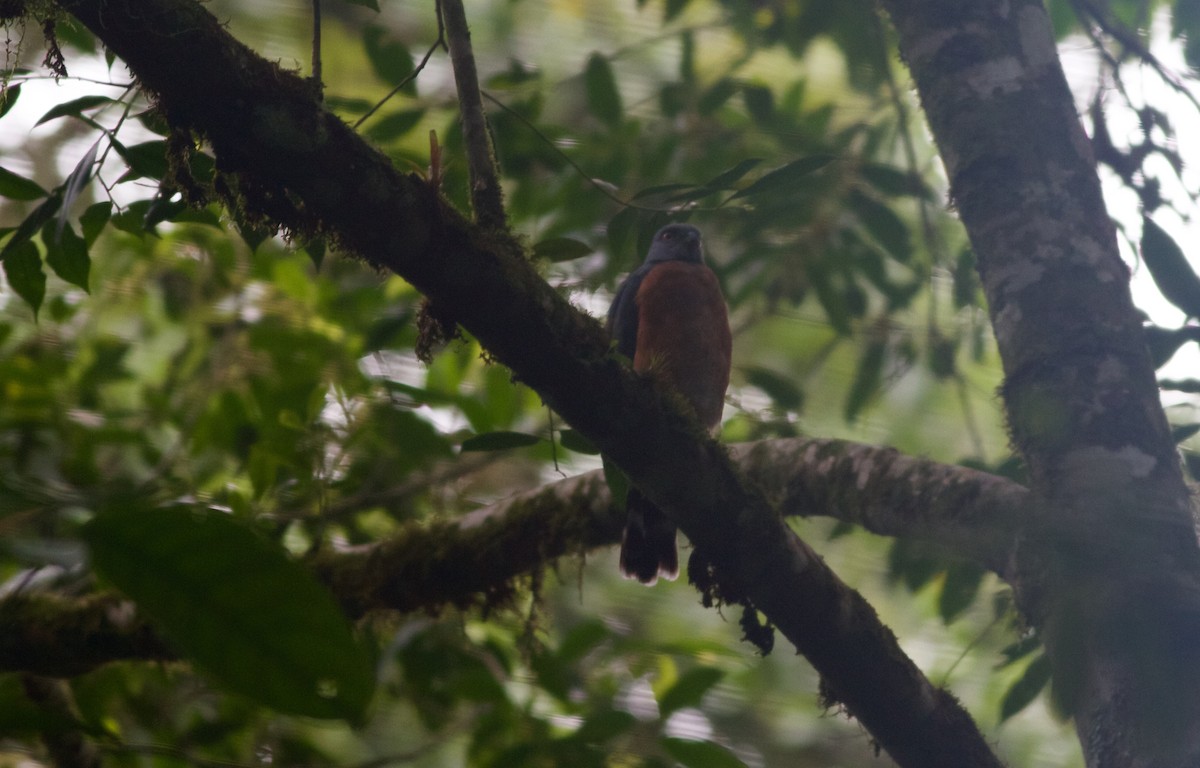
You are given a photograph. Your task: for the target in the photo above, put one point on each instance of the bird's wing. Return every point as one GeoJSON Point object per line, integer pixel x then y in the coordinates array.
{"type": "Point", "coordinates": [622, 322]}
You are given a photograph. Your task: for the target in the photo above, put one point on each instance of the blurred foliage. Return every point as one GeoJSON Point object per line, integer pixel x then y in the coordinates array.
{"type": "Point", "coordinates": [168, 361]}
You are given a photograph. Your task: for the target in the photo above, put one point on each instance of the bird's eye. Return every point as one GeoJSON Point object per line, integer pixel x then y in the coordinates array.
{"type": "Point", "coordinates": [666, 236]}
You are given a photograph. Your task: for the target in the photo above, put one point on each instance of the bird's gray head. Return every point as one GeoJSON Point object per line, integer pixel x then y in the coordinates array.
{"type": "Point", "coordinates": [676, 242]}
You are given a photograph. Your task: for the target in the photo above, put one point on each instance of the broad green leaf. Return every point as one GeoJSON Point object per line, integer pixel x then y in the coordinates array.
{"type": "Point", "coordinates": [1181, 433]}
{"type": "Point", "coordinates": [689, 690]}
{"type": "Point", "coordinates": [700, 754]}
{"type": "Point", "coordinates": [780, 389]}
{"type": "Point", "coordinates": [32, 223]}
{"type": "Point", "coordinates": [76, 182]}
{"type": "Point", "coordinates": [93, 219]}
{"type": "Point", "coordinates": [561, 249]}
{"type": "Point", "coordinates": [1191, 386]}
{"type": "Point", "coordinates": [16, 187]}
{"type": "Point", "coordinates": [604, 725]}
{"type": "Point", "coordinates": [959, 589]}
{"type": "Point", "coordinates": [574, 441]}
{"type": "Point", "coordinates": [23, 268]}
{"type": "Point", "coordinates": [760, 102]}
{"type": "Point", "coordinates": [831, 299]}
{"type": "Point", "coordinates": [715, 96]}
{"type": "Point", "coordinates": [1172, 273]}
{"type": "Point", "coordinates": [604, 100]}
{"type": "Point", "coordinates": [146, 160]}
{"type": "Point", "coordinates": [867, 378]}
{"type": "Point", "coordinates": [372, 4]}
{"type": "Point", "coordinates": [74, 108]}
{"type": "Point", "coordinates": [725, 179]}
{"type": "Point", "coordinates": [395, 124]}
{"type": "Point", "coordinates": [617, 482]}
{"type": "Point", "coordinates": [237, 606]}
{"type": "Point", "coordinates": [583, 637]}
{"type": "Point", "coordinates": [389, 57]}
{"type": "Point", "coordinates": [67, 255]}
{"type": "Point", "coordinates": [661, 190]}
{"type": "Point", "coordinates": [21, 717]}
{"type": "Point", "coordinates": [893, 181]}
{"type": "Point", "coordinates": [1022, 693]}
{"type": "Point", "coordinates": [1016, 651]}
{"type": "Point", "coordinates": [784, 176]}
{"type": "Point", "coordinates": [8, 98]}
{"type": "Point", "coordinates": [499, 441]}
{"type": "Point", "coordinates": [966, 279]}
{"type": "Point", "coordinates": [884, 225]}
{"type": "Point", "coordinates": [673, 8]}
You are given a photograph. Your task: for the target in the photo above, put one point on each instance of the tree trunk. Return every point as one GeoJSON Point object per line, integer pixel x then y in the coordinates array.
{"type": "Point", "coordinates": [1109, 569]}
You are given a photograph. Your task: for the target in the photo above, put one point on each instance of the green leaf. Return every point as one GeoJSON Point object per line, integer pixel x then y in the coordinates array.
{"type": "Point", "coordinates": [395, 124]}
{"type": "Point", "coordinates": [1022, 693]}
{"type": "Point", "coordinates": [23, 268]}
{"type": "Point", "coordinates": [583, 637]}
{"type": "Point", "coordinates": [604, 726]}
{"type": "Point", "coordinates": [499, 441]}
{"type": "Point", "coordinates": [604, 100]}
{"type": "Point", "coordinates": [784, 176]}
{"type": "Point", "coordinates": [67, 255]}
{"type": "Point", "coordinates": [673, 8]}
{"type": "Point", "coordinates": [74, 108]}
{"type": "Point", "coordinates": [236, 605]}
{"type": "Point", "coordinates": [689, 690]}
{"type": "Point", "coordinates": [867, 378]}
{"type": "Point", "coordinates": [93, 219]}
{"type": "Point", "coordinates": [760, 102]}
{"type": "Point", "coordinates": [617, 482]}
{"type": "Point", "coordinates": [32, 223]}
{"type": "Point", "coordinates": [884, 225]}
{"type": "Point", "coordinates": [1019, 650]}
{"type": "Point", "coordinates": [148, 159]}
{"type": "Point", "coordinates": [20, 717]}
{"type": "Point", "coordinates": [958, 590]}
{"type": "Point", "coordinates": [389, 57]}
{"type": "Point", "coordinates": [700, 754]}
{"type": "Point", "coordinates": [716, 95]}
{"type": "Point", "coordinates": [574, 441]}
{"type": "Point", "coordinates": [966, 279]}
{"type": "Point", "coordinates": [8, 98]}
{"type": "Point", "coordinates": [372, 4]}
{"type": "Point", "coordinates": [16, 187]}
{"type": "Point", "coordinates": [1184, 432]}
{"type": "Point", "coordinates": [77, 181]}
{"type": "Point", "coordinates": [725, 179]}
{"type": "Point", "coordinates": [895, 182]}
{"type": "Point", "coordinates": [782, 390]}
{"type": "Point", "coordinates": [1170, 269]}
{"type": "Point", "coordinates": [561, 249]}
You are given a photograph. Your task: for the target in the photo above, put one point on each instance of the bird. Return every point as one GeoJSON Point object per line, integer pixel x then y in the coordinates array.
{"type": "Point", "coordinates": [669, 317]}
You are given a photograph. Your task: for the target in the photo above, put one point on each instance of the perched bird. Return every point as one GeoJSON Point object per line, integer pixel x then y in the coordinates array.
{"type": "Point", "coordinates": [670, 318]}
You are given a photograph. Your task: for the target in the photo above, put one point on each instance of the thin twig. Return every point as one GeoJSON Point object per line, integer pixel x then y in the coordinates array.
{"type": "Point", "coordinates": [567, 158]}
{"type": "Point", "coordinates": [1085, 9]}
{"type": "Point", "coordinates": [486, 196]}
{"type": "Point", "coordinates": [439, 43]}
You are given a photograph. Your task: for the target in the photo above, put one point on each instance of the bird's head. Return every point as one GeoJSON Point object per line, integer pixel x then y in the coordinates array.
{"type": "Point", "coordinates": [676, 242]}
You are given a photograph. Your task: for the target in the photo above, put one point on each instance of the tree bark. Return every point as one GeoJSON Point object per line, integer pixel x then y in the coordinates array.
{"type": "Point", "coordinates": [1111, 570]}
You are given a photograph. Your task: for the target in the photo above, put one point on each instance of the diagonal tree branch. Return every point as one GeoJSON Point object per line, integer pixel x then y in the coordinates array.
{"type": "Point", "coordinates": [302, 166]}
